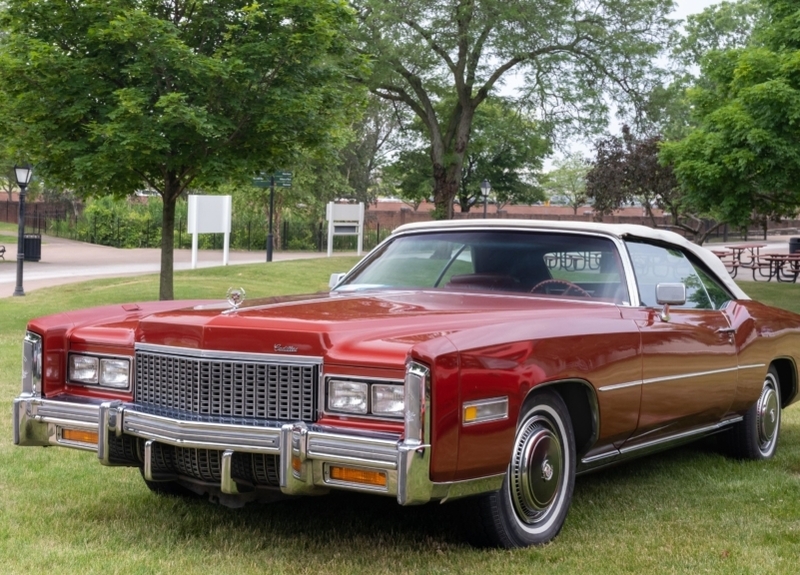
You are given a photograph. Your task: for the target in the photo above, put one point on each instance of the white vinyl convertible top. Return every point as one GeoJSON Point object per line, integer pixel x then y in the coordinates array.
{"type": "Point", "coordinates": [621, 231]}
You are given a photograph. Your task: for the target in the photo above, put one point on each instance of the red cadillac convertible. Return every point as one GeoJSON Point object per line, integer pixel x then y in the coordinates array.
{"type": "Point", "coordinates": [488, 360]}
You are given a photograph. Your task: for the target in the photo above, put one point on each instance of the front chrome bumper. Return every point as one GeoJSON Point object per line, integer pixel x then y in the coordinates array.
{"type": "Point", "coordinates": [305, 452]}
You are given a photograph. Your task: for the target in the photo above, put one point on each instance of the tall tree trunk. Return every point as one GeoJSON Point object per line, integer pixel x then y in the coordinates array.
{"type": "Point", "coordinates": [448, 160]}
{"type": "Point", "coordinates": [165, 288]}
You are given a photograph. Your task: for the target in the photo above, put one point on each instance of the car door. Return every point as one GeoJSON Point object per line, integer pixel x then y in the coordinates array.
{"type": "Point", "coordinates": [689, 359]}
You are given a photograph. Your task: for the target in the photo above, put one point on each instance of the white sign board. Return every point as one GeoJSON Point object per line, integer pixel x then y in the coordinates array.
{"type": "Point", "coordinates": [210, 215]}
{"type": "Point", "coordinates": [345, 220]}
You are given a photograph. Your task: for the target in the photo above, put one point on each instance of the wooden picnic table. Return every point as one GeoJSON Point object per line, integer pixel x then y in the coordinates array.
{"type": "Point", "coordinates": [728, 258]}
{"type": "Point", "coordinates": [745, 256]}
{"type": "Point", "coordinates": [783, 267]}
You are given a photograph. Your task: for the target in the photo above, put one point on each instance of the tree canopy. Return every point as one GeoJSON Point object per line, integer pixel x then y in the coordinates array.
{"type": "Point", "coordinates": [568, 56]}
{"type": "Point", "coordinates": [568, 179]}
{"type": "Point", "coordinates": [742, 158]}
{"type": "Point", "coordinates": [507, 149]}
{"type": "Point", "coordinates": [111, 96]}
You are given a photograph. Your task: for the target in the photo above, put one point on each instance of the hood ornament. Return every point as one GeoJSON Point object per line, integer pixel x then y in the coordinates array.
{"type": "Point", "coordinates": [235, 297]}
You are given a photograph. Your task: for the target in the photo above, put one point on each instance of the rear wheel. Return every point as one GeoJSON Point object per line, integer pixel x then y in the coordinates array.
{"type": "Point", "coordinates": [756, 436]}
{"type": "Point", "coordinates": [532, 504]}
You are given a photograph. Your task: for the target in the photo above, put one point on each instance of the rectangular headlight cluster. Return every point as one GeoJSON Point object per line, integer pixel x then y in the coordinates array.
{"type": "Point", "coordinates": [113, 372]}
{"type": "Point", "coordinates": [366, 398]}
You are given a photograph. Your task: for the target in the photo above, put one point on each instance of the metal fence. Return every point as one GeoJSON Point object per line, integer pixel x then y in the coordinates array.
{"type": "Point", "coordinates": [246, 234]}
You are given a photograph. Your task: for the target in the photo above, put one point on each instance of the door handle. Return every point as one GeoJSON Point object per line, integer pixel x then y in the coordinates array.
{"type": "Point", "coordinates": [729, 331]}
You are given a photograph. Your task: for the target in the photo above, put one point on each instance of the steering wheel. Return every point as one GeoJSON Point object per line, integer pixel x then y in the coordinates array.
{"type": "Point", "coordinates": [570, 287]}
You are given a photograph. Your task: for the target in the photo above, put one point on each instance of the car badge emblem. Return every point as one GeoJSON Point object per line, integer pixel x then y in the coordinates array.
{"type": "Point", "coordinates": [285, 348]}
{"type": "Point", "coordinates": [547, 470]}
{"type": "Point", "coordinates": [235, 297]}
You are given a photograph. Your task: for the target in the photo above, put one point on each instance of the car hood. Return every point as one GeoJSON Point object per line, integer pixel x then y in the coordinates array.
{"type": "Point", "coordinates": [372, 328]}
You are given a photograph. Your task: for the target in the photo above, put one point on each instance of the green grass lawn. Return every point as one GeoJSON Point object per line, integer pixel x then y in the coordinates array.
{"type": "Point", "coordinates": [689, 510]}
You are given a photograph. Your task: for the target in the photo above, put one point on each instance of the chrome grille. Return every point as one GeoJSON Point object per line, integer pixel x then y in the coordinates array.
{"type": "Point", "coordinates": [206, 464]}
{"type": "Point", "coordinates": [218, 384]}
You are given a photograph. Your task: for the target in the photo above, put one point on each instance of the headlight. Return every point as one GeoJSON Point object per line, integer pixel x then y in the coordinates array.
{"type": "Point", "coordinates": [348, 396]}
{"type": "Point", "coordinates": [115, 372]}
{"type": "Point", "coordinates": [366, 397]}
{"type": "Point", "coordinates": [103, 371]}
{"type": "Point", "coordinates": [388, 399]}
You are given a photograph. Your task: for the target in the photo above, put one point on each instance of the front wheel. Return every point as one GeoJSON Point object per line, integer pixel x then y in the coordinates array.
{"type": "Point", "coordinates": [756, 436]}
{"type": "Point", "coordinates": [532, 504]}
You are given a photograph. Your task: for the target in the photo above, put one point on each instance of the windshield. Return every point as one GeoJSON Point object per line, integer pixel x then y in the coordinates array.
{"type": "Point", "coordinates": [511, 261]}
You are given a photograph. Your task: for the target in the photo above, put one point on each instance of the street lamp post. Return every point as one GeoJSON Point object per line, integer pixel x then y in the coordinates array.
{"type": "Point", "coordinates": [486, 187]}
{"type": "Point", "coordinates": [23, 174]}
{"type": "Point", "coordinates": [270, 237]}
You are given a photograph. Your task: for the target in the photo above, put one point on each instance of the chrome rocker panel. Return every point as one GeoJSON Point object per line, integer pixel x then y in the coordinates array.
{"type": "Point", "coordinates": [406, 462]}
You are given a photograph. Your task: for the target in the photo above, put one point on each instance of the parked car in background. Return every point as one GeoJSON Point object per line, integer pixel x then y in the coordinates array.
{"type": "Point", "coordinates": [490, 361]}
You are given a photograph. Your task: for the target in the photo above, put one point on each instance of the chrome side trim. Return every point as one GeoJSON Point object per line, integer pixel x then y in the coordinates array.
{"type": "Point", "coordinates": [414, 454]}
{"type": "Point", "coordinates": [32, 363]}
{"type": "Point", "coordinates": [681, 436]}
{"type": "Point", "coordinates": [616, 386]}
{"type": "Point", "coordinates": [688, 375]}
{"type": "Point", "coordinates": [230, 355]}
{"type": "Point", "coordinates": [626, 452]}
{"type": "Point", "coordinates": [753, 366]}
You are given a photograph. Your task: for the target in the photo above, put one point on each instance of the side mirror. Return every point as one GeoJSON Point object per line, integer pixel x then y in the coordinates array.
{"type": "Point", "coordinates": [670, 294]}
{"type": "Point", "coordinates": [335, 279]}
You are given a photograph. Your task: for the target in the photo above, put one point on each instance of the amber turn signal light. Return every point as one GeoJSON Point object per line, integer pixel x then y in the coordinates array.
{"type": "Point", "coordinates": [79, 436]}
{"type": "Point", "coordinates": [375, 478]}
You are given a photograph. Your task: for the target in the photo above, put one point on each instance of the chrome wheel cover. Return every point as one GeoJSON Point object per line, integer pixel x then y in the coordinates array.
{"type": "Point", "coordinates": [768, 414]}
{"type": "Point", "coordinates": [536, 473]}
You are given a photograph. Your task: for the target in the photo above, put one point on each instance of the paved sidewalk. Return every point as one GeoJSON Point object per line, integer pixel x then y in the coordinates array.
{"type": "Point", "coordinates": [66, 261]}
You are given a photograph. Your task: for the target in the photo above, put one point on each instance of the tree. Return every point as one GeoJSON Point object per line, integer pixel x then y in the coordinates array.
{"type": "Point", "coordinates": [628, 169]}
{"type": "Point", "coordinates": [742, 159]}
{"type": "Point", "coordinates": [361, 161]}
{"type": "Point", "coordinates": [410, 176]}
{"type": "Point", "coordinates": [625, 170]}
{"type": "Point", "coordinates": [568, 179]}
{"type": "Point", "coordinates": [507, 148]}
{"type": "Point", "coordinates": [119, 95]}
{"type": "Point", "coordinates": [571, 54]}
{"type": "Point", "coordinates": [723, 26]}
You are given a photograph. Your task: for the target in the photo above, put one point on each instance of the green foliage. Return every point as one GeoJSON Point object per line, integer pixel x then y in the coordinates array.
{"type": "Point", "coordinates": [568, 179]}
{"type": "Point", "coordinates": [361, 161]}
{"type": "Point", "coordinates": [441, 60]}
{"type": "Point", "coordinates": [506, 148]}
{"type": "Point", "coordinates": [122, 223]}
{"type": "Point", "coordinates": [410, 176]}
{"type": "Point", "coordinates": [742, 158]}
{"type": "Point", "coordinates": [113, 96]}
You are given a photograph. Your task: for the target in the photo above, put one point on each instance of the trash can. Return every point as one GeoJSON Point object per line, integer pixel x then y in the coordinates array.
{"type": "Point", "coordinates": [32, 246]}
{"type": "Point", "coordinates": [794, 245]}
